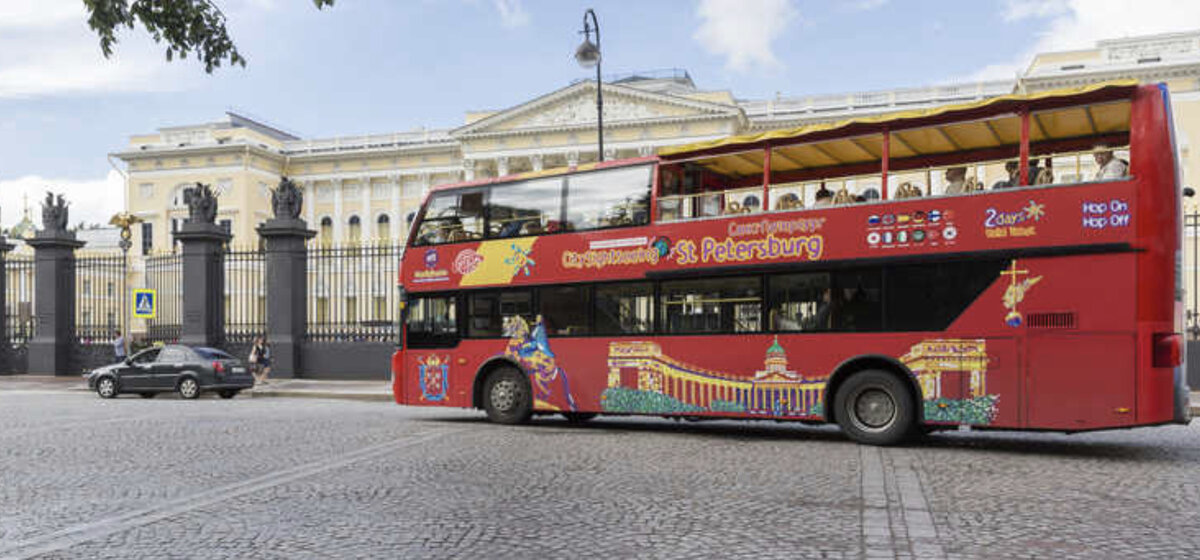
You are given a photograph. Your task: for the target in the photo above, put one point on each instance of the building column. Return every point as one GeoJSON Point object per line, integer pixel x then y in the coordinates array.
{"type": "Point", "coordinates": [54, 302]}
{"type": "Point", "coordinates": [501, 166]}
{"type": "Point", "coordinates": [468, 166]}
{"type": "Point", "coordinates": [287, 275]}
{"type": "Point", "coordinates": [397, 219]}
{"type": "Point", "coordinates": [310, 194]}
{"type": "Point", "coordinates": [203, 283]}
{"type": "Point", "coordinates": [5, 347]}
{"type": "Point", "coordinates": [338, 219]}
{"type": "Point", "coordinates": [368, 221]}
{"type": "Point", "coordinates": [572, 159]}
{"type": "Point", "coordinates": [536, 161]}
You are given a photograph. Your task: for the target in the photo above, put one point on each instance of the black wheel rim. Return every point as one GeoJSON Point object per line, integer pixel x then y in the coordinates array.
{"type": "Point", "coordinates": [872, 409]}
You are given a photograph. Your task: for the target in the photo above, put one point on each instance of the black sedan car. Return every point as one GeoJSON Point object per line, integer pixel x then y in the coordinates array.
{"type": "Point", "coordinates": [189, 371]}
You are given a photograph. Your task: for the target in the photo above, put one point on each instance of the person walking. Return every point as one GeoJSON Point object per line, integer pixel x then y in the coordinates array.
{"type": "Point", "coordinates": [119, 346]}
{"type": "Point", "coordinates": [260, 360]}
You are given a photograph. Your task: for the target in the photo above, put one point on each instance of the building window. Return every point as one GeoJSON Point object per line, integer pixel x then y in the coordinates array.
{"type": "Point", "coordinates": [148, 237]}
{"type": "Point", "coordinates": [322, 311]}
{"type": "Point", "coordinates": [354, 234]}
{"type": "Point", "coordinates": [326, 231]}
{"type": "Point", "coordinates": [383, 228]}
{"type": "Point", "coordinates": [227, 226]}
{"type": "Point", "coordinates": [351, 310]}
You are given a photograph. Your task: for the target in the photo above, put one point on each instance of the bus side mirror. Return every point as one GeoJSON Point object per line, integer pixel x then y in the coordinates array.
{"type": "Point", "coordinates": [1189, 192]}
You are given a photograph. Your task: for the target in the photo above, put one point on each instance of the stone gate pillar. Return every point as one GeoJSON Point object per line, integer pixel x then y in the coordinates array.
{"type": "Point", "coordinates": [203, 269]}
{"type": "Point", "coordinates": [5, 347]}
{"type": "Point", "coordinates": [287, 279]}
{"type": "Point", "coordinates": [54, 295]}
{"type": "Point", "coordinates": [203, 283]}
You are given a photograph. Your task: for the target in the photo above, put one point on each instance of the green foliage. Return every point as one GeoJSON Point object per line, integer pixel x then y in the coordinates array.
{"type": "Point", "coordinates": [718, 405]}
{"type": "Point", "coordinates": [186, 26]}
{"type": "Point", "coordinates": [978, 410]}
{"type": "Point", "coordinates": [621, 399]}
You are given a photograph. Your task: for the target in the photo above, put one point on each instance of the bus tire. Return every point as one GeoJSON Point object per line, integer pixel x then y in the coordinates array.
{"type": "Point", "coordinates": [874, 407]}
{"type": "Point", "coordinates": [507, 396]}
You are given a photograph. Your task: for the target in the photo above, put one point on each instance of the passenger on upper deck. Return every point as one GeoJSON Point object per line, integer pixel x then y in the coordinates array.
{"type": "Point", "coordinates": [956, 180]}
{"type": "Point", "coordinates": [1110, 167]}
{"type": "Point", "coordinates": [824, 198]}
{"type": "Point", "coordinates": [1013, 169]}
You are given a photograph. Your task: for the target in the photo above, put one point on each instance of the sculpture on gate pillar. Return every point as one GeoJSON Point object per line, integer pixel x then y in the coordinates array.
{"type": "Point", "coordinates": [287, 200]}
{"type": "Point", "coordinates": [202, 204]}
{"type": "Point", "coordinates": [54, 213]}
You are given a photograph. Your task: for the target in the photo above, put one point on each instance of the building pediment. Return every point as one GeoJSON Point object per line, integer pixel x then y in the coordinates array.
{"type": "Point", "coordinates": [575, 106]}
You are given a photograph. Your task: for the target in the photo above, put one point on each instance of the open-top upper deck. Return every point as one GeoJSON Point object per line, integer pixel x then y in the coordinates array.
{"type": "Point", "coordinates": [878, 187]}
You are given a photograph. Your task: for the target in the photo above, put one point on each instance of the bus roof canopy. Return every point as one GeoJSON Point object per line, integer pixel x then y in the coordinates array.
{"type": "Point", "coordinates": [1092, 110]}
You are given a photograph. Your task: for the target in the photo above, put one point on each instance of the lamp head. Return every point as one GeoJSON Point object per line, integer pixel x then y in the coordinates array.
{"type": "Point", "coordinates": [588, 54]}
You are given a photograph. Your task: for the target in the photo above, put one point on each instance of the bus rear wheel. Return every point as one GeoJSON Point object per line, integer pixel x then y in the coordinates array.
{"type": "Point", "coordinates": [507, 396]}
{"type": "Point", "coordinates": [874, 407]}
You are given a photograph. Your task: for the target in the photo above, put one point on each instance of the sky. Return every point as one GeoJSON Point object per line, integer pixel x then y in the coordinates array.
{"type": "Point", "coordinates": [382, 66]}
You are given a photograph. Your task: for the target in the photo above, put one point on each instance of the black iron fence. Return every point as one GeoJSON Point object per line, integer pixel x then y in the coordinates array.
{"type": "Point", "coordinates": [245, 299]}
{"type": "Point", "coordinates": [352, 295]}
{"type": "Point", "coordinates": [19, 317]}
{"type": "Point", "coordinates": [164, 275]}
{"type": "Point", "coordinates": [100, 307]}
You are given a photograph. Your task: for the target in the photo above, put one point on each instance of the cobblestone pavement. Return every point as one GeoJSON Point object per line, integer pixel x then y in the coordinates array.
{"type": "Point", "coordinates": [280, 478]}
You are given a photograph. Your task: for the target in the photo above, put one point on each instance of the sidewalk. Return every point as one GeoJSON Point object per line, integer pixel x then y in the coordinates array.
{"type": "Point", "coordinates": [380, 391]}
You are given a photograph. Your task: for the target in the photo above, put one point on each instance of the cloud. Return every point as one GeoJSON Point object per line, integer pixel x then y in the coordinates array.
{"type": "Point", "coordinates": [512, 13]}
{"type": "Point", "coordinates": [46, 48]}
{"type": "Point", "coordinates": [867, 5]}
{"type": "Point", "coordinates": [1079, 24]}
{"type": "Point", "coordinates": [742, 30]}
{"type": "Point", "coordinates": [92, 201]}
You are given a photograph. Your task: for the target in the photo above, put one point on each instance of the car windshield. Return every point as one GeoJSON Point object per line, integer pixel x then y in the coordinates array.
{"type": "Point", "coordinates": [212, 354]}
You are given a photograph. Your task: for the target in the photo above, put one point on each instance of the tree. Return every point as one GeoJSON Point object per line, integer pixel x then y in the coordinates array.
{"type": "Point", "coordinates": [186, 26]}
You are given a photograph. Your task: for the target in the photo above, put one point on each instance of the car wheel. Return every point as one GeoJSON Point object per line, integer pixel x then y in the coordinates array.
{"type": "Point", "coordinates": [578, 417]}
{"type": "Point", "coordinates": [874, 407]}
{"type": "Point", "coordinates": [106, 387]}
{"type": "Point", "coordinates": [507, 397]}
{"type": "Point", "coordinates": [147, 395]}
{"type": "Point", "coordinates": [228, 393]}
{"type": "Point", "coordinates": [188, 388]}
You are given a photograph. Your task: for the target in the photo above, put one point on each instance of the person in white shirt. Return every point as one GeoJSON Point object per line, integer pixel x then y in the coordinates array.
{"type": "Point", "coordinates": [1109, 166]}
{"type": "Point", "coordinates": [956, 180]}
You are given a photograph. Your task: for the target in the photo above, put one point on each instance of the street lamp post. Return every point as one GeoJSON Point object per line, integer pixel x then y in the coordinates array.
{"type": "Point", "coordinates": [588, 55]}
{"type": "Point", "coordinates": [125, 221]}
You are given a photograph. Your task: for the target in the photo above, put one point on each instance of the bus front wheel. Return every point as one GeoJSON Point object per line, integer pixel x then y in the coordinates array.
{"type": "Point", "coordinates": [507, 396]}
{"type": "Point", "coordinates": [874, 407]}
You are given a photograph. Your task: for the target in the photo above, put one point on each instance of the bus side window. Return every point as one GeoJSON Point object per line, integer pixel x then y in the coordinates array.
{"type": "Point", "coordinates": [624, 308]}
{"type": "Point", "coordinates": [487, 311]}
{"type": "Point", "coordinates": [800, 302]}
{"type": "Point", "coordinates": [564, 310]}
{"type": "Point", "coordinates": [432, 320]}
{"type": "Point", "coordinates": [857, 305]}
{"type": "Point", "coordinates": [608, 198]}
{"type": "Point", "coordinates": [715, 305]}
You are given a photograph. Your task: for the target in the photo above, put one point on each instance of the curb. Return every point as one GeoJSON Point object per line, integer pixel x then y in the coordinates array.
{"type": "Point", "coordinates": [365, 397]}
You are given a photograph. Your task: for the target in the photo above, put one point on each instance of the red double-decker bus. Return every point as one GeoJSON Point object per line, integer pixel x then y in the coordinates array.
{"type": "Point", "coordinates": [1011, 263]}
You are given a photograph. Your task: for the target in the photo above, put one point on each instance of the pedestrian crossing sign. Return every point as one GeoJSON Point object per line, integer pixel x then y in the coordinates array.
{"type": "Point", "coordinates": [145, 304]}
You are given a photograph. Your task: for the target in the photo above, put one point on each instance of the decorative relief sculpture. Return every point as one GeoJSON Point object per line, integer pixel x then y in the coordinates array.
{"type": "Point", "coordinates": [287, 200]}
